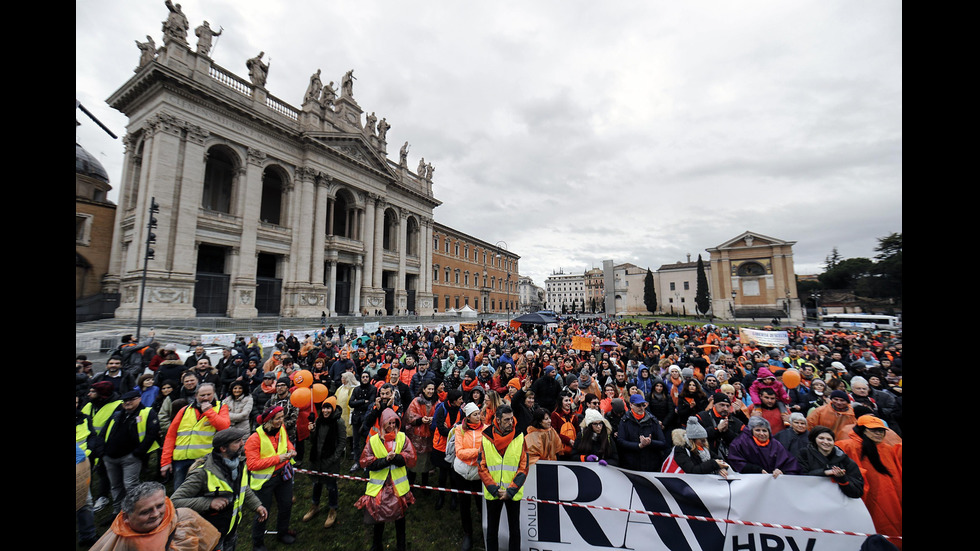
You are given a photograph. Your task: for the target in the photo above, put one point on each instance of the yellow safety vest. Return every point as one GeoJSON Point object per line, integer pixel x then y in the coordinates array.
{"type": "Point", "coordinates": [140, 427]}
{"type": "Point", "coordinates": [503, 469]}
{"type": "Point", "coordinates": [260, 477]}
{"type": "Point", "coordinates": [81, 436]}
{"type": "Point", "coordinates": [216, 485]}
{"type": "Point", "coordinates": [399, 475]}
{"type": "Point", "coordinates": [100, 417]}
{"type": "Point", "coordinates": [194, 436]}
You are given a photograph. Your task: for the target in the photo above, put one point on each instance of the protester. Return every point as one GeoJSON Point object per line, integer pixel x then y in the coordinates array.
{"type": "Point", "coordinates": [754, 451]}
{"type": "Point", "coordinates": [328, 440]}
{"type": "Point", "coordinates": [881, 467]}
{"type": "Point", "coordinates": [268, 456]}
{"type": "Point", "coordinates": [388, 495]}
{"type": "Point", "coordinates": [640, 438]}
{"type": "Point", "coordinates": [503, 471]}
{"type": "Point", "coordinates": [692, 454]}
{"type": "Point", "coordinates": [822, 457]}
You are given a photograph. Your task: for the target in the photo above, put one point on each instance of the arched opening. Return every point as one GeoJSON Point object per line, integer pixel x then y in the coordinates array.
{"type": "Point", "coordinates": [273, 188]}
{"type": "Point", "coordinates": [413, 236]}
{"type": "Point", "coordinates": [390, 241]}
{"type": "Point", "coordinates": [343, 215]}
{"type": "Point", "coordinates": [219, 180]}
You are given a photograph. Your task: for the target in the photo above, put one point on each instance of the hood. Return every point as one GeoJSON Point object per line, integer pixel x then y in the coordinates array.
{"type": "Point", "coordinates": [763, 373]}
{"type": "Point", "coordinates": [388, 415]}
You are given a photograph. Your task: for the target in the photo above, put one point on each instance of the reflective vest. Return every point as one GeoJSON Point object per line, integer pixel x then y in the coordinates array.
{"type": "Point", "coordinates": [261, 476]}
{"type": "Point", "coordinates": [399, 475]}
{"type": "Point", "coordinates": [194, 436]}
{"type": "Point", "coordinates": [217, 487]}
{"type": "Point", "coordinates": [140, 427]}
{"type": "Point", "coordinates": [100, 417]}
{"type": "Point", "coordinates": [438, 440]}
{"type": "Point", "coordinates": [81, 436]}
{"type": "Point", "coordinates": [503, 469]}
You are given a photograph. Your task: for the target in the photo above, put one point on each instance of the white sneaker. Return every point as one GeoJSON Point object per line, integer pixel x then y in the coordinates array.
{"type": "Point", "coordinates": [100, 504]}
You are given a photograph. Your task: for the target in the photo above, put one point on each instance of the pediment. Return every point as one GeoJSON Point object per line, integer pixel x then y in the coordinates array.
{"type": "Point", "coordinates": [354, 149]}
{"type": "Point", "coordinates": [752, 239]}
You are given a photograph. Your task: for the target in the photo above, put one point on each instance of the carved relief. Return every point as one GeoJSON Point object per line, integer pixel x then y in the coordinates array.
{"type": "Point", "coordinates": [245, 297]}
{"type": "Point", "coordinates": [167, 296]}
{"type": "Point", "coordinates": [255, 156]}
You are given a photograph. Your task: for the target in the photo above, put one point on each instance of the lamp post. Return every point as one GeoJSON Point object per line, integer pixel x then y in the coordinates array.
{"type": "Point", "coordinates": [786, 305]}
{"type": "Point", "coordinates": [732, 305]}
{"type": "Point", "coordinates": [815, 295]}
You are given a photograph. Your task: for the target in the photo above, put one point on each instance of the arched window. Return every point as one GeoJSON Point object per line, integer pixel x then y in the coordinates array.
{"type": "Point", "coordinates": [435, 273]}
{"type": "Point", "coordinates": [273, 186]}
{"type": "Point", "coordinates": [456, 249]}
{"type": "Point", "coordinates": [466, 251]}
{"type": "Point", "coordinates": [466, 278]}
{"type": "Point", "coordinates": [749, 269]}
{"type": "Point", "coordinates": [343, 215]}
{"type": "Point", "coordinates": [448, 271]}
{"type": "Point", "coordinates": [219, 179]}
{"type": "Point", "coordinates": [413, 237]}
{"type": "Point", "coordinates": [457, 276]}
{"type": "Point", "coordinates": [390, 237]}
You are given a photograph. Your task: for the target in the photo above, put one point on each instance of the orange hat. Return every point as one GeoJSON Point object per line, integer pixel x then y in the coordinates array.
{"type": "Point", "coordinates": [515, 382]}
{"type": "Point", "coordinates": [332, 400]}
{"type": "Point", "coordinates": [871, 422]}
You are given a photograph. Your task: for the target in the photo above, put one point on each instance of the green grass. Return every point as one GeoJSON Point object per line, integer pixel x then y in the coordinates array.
{"type": "Point", "coordinates": [427, 528]}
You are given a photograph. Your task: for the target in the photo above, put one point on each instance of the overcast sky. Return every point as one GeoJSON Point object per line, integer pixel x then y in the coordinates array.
{"type": "Point", "coordinates": [577, 131]}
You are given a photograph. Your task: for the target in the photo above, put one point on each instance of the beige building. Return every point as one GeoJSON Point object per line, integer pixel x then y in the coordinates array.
{"type": "Point", "coordinates": [752, 275]}
{"type": "Point", "coordinates": [94, 218]}
{"type": "Point", "coordinates": [467, 271]}
{"type": "Point", "coordinates": [265, 208]}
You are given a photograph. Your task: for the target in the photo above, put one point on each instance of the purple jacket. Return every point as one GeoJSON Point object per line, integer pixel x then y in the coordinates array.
{"type": "Point", "coordinates": [745, 456]}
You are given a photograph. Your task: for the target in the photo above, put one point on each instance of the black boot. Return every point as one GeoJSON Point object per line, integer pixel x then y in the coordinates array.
{"type": "Point", "coordinates": [440, 500]}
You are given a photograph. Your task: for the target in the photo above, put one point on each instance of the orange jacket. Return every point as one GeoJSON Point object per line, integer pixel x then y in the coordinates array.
{"type": "Point", "coordinates": [469, 444]}
{"type": "Point", "coordinates": [542, 444]}
{"type": "Point", "coordinates": [826, 416]}
{"type": "Point", "coordinates": [253, 452]}
{"type": "Point", "coordinates": [882, 493]}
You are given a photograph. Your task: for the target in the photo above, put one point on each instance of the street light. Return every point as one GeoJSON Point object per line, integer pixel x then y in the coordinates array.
{"type": "Point", "coordinates": [732, 305]}
{"type": "Point", "coordinates": [787, 303]}
{"type": "Point", "coordinates": [815, 295]}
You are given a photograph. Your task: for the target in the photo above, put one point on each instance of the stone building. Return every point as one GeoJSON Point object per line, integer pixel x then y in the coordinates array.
{"type": "Point", "coordinates": [532, 297]}
{"type": "Point", "coordinates": [94, 218]}
{"type": "Point", "coordinates": [467, 271]}
{"type": "Point", "coordinates": [265, 208]}
{"type": "Point", "coordinates": [565, 292]}
{"type": "Point", "coordinates": [752, 276]}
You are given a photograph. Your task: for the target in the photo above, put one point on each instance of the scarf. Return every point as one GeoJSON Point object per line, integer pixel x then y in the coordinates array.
{"type": "Point", "coordinates": [638, 416]}
{"type": "Point", "coordinates": [501, 441]}
{"type": "Point", "coordinates": [761, 444]}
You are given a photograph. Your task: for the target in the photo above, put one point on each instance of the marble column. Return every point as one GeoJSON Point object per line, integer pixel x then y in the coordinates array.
{"type": "Point", "coordinates": [402, 248]}
{"type": "Point", "coordinates": [332, 286]}
{"type": "Point", "coordinates": [377, 251]}
{"type": "Point", "coordinates": [356, 285]}
{"type": "Point", "coordinates": [368, 242]}
{"type": "Point", "coordinates": [319, 231]}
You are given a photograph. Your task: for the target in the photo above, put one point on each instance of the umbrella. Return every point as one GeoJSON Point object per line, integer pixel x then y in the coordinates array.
{"type": "Point", "coordinates": [535, 318]}
{"type": "Point", "coordinates": [609, 343]}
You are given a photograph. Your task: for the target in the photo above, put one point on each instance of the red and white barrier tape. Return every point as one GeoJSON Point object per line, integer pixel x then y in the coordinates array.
{"type": "Point", "coordinates": [621, 510]}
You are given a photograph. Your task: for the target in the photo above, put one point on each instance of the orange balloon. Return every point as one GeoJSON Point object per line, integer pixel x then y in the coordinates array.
{"type": "Point", "coordinates": [301, 397]}
{"type": "Point", "coordinates": [320, 392]}
{"type": "Point", "coordinates": [303, 378]}
{"type": "Point", "coordinates": [791, 378]}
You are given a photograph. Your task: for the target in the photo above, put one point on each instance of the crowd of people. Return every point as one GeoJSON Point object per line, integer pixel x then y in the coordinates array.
{"type": "Point", "coordinates": [475, 407]}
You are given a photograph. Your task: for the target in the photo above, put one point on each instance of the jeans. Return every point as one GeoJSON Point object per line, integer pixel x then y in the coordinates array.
{"type": "Point", "coordinates": [86, 521]}
{"type": "Point", "coordinates": [124, 475]}
{"type": "Point", "coordinates": [180, 471]}
{"type": "Point", "coordinates": [333, 497]}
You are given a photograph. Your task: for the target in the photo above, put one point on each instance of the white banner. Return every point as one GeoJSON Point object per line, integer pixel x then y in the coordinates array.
{"type": "Point", "coordinates": [800, 501]}
{"type": "Point", "coordinates": [266, 339]}
{"type": "Point", "coordinates": [221, 339]}
{"type": "Point", "coordinates": [765, 338]}
{"type": "Point", "coordinates": [371, 327]}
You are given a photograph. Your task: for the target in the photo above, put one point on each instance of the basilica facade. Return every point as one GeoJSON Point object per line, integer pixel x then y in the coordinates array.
{"type": "Point", "coordinates": [264, 208]}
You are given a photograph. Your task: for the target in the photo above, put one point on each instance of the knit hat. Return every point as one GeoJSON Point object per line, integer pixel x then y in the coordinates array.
{"type": "Point", "coordinates": [469, 408]}
{"type": "Point", "coordinates": [515, 382]}
{"type": "Point", "coordinates": [549, 369]}
{"type": "Point", "coordinates": [592, 416]}
{"type": "Point", "coordinates": [720, 397]}
{"type": "Point", "coordinates": [103, 388]}
{"type": "Point", "coordinates": [569, 379]}
{"type": "Point", "coordinates": [838, 366]}
{"type": "Point", "coordinates": [470, 373]}
{"type": "Point", "coordinates": [332, 400]}
{"type": "Point", "coordinates": [695, 430]}
{"type": "Point", "coordinates": [618, 406]}
{"type": "Point", "coordinates": [284, 380]}
{"type": "Point", "coordinates": [687, 372]}
{"type": "Point", "coordinates": [839, 394]}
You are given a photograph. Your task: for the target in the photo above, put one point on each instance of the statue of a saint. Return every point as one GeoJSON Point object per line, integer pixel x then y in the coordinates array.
{"type": "Point", "coordinates": [204, 36]}
{"type": "Point", "coordinates": [258, 72]}
{"type": "Point", "coordinates": [313, 90]}
{"type": "Point", "coordinates": [148, 51]}
{"type": "Point", "coordinates": [429, 169]}
{"type": "Point", "coordinates": [347, 84]}
{"type": "Point", "coordinates": [328, 96]}
{"type": "Point", "coordinates": [403, 155]}
{"type": "Point", "coordinates": [383, 127]}
{"type": "Point", "coordinates": [421, 169]}
{"type": "Point", "coordinates": [369, 124]}
{"type": "Point", "coordinates": [176, 25]}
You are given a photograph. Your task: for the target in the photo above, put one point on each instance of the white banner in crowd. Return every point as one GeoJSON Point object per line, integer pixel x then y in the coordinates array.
{"type": "Point", "coordinates": [266, 339]}
{"type": "Point", "coordinates": [764, 338]}
{"type": "Point", "coordinates": [220, 339]}
{"type": "Point", "coordinates": [371, 327]}
{"type": "Point", "coordinates": [801, 501]}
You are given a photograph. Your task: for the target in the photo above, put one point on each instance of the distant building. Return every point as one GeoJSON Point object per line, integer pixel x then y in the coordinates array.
{"type": "Point", "coordinates": [532, 297]}
{"type": "Point", "coordinates": [467, 271]}
{"type": "Point", "coordinates": [94, 217]}
{"type": "Point", "coordinates": [565, 293]}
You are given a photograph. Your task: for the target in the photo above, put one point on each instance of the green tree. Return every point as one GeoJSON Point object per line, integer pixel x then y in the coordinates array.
{"type": "Point", "coordinates": [649, 293]}
{"type": "Point", "coordinates": [832, 260]}
{"type": "Point", "coordinates": [888, 268]}
{"type": "Point", "coordinates": [851, 273]}
{"type": "Point", "coordinates": [701, 301]}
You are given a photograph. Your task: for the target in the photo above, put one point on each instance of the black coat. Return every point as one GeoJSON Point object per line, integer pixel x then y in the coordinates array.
{"type": "Point", "coordinates": [631, 455]}
{"type": "Point", "coordinates": [813, 463]}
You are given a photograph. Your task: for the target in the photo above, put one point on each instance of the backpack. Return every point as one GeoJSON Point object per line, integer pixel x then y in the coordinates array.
{"type": "Point", "coordinates": [568, 431]}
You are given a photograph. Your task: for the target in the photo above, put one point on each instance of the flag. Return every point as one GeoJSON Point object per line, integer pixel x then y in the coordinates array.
{"type": "Point", "coordinates": [671, 466]}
